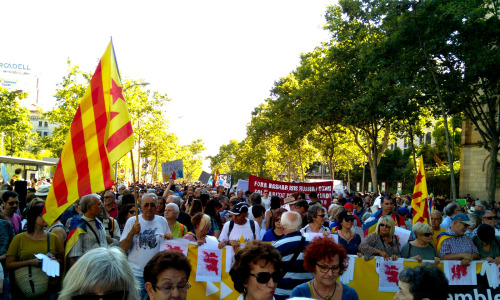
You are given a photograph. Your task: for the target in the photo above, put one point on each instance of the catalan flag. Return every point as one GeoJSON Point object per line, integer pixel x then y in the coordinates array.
{"type": "Point", "coordinates": [76, 228]}
{"type": "Point", "coordinates": [100, 134]}
{"type": "Point", "coordinates": [215, 182]}
{"type": "Point", "coordinates": [419, 200]}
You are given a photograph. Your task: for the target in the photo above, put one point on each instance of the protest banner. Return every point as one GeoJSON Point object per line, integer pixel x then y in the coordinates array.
{"type": "Point", "coordinates": [284, 189]}
{"type": "Point", "coordinates": [242, 185]}
{"type": "Point", "coordinates": [361, 275]}
{"type": "Point", "coordinates": [172, 170]}
{"type": "Point", "coordinates": [204, 177]}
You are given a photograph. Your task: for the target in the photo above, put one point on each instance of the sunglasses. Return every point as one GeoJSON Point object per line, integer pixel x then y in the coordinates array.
{"type": "Point", "coordinates": [385, 225]}
{"type": "Point", "coordinates": [277, 219]}
{"type": "Point", "coordinates": [321, 216]}
{"type": "Point", "coordinates": [13, 203]}
{"type": "Point", "coordinates": [325, 269]}
{"type": "Point", "coordinates": [149, 204]}
{"type": "Point", "coordinates": [427, 234]}
{"type": "Point", "coordinates": [491, 218]}
{"type": "Point", "coordinates": [264, 277]}
{"type": "Point", "coordinates": [123, 294]}
{"type": "Point", "coordinates": [131, 211]}
{"type": "Point", "coordinates": [349, 220]}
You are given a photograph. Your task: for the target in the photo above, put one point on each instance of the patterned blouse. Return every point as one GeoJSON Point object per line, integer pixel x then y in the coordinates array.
{"type": "Point", "coordinates": [376, 242]}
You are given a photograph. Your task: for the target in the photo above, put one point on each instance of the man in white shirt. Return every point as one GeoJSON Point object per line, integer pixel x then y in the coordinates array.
{"type": "Point", "coordinates": [152, 229]}
{"type": "Point", "coordinates": [240, 227]}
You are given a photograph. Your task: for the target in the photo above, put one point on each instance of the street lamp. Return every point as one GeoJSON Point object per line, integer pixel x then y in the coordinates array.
{"type": "Point", "coordinates": [128, 87]}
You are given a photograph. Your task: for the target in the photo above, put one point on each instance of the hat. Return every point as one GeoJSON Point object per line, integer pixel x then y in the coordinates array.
{"type": "Point", "coordinates": [345, 215]}
{"type": "Point", "coordinates": [240, 208]}
{"type": "Point", "coordinates": [462, 218]}
{"type": "Point", "coordinates": [290, 200]}
{"type": "Point", "coordinates": [403, 211]}
{"type": "Point", "coordinates": [43, 190]}
{"type": "Point", "coordinates": [348, 206]}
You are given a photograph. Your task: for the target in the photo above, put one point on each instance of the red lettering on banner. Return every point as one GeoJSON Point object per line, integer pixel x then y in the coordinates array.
{"type": "Point", "coordinates": [211, 260]}
{"type": "Point", "coordinates": [392, 274]}
{"type": "Point", "coordinates": [458, 272]}
{"type": "Point", "coordinates": [175, 248]}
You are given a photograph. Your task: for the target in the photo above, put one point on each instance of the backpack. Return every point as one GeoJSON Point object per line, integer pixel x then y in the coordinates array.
{"type": "Point", "coordinates": [231, 225]}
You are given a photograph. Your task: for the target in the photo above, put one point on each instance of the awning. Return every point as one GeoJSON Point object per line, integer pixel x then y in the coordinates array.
{"type": "Point", "coordinates": [25, 161]}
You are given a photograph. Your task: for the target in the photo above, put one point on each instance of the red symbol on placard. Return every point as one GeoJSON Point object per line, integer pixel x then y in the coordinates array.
{"type": "Point", "coordinates": [174, 175]}
{"type": "Point", "coordinates": [458, 272]}
{"type": "Point", "coordinates": [211, 259]}
{"type": "Point", "coordinates": [175, 248]}
{"type": "Point", "coordinates": [392, 273]}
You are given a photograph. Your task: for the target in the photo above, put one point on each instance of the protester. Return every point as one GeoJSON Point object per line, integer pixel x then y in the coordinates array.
{"type": "Point", "coordinates": [213, 208]}
{"type": "Point", "coordinates": [421, 248]}
{"type": "Point", "coordinates": [176, 229]}
{"type": "Point", "coordinates": [387, 205]}
{"type": "Point", "coordinates": [24, 246]}
{"type": "Point", "coordinates": [101, 273]}
{"type": "Point", "coordinates": [183, 217]}
{"type": "Point", "coordinates": [275, 204]}
{"type": "Point", "coordinates": [152, 229]}
{"type": "Point", "coordinates": [275, 233]}
{"type": "Point", "coordinates": [291, 247]}
{"type": "Point", "coordinates": [58, 228]}
{"type": "Point", "coordinates": [110, 203]}
{"type": "Point", "coordinates": [450, 210]}
{"type": "Point", "coordinates": [258, 212]}
{"type": "Point", "coordinates": [316, 215]}
{"type": "Point", "coordinates": [6, 237]}
{"type": "Point", "coordinates": [111, 227]}
{"type": "Point", "coordinates": [491, 219]}
{"type": "Point", "coordinates": [10, 205]}
{"type": "Point", "coordinates": [382, 242]}
{"type": "Point", "coordinates": [347, 238]}
{"type": "Point", "coordinates": [256, 270]}
{"type": "Point", "coordinates": [488, 245]}
{"type": "Point", "coordinates": [166, 276]}
{"type": "Point", "coordinates": [302, 208]}
{"type": "Point", "coordinates": [453, 244]}
{"type": "Point", "coordinates": [436, 219]}
{"type": "Point", "coordinates": [266, 200]}
{"type": "Point", "coordinates": [95, 235]}
{"type": "Point", "coordinates": [126, 211]}
{"type": "Point", "coordinates": [239, 228]}
{"type": "Point", "coordinates": [475, 219]}
{"type": "Point", "coordinates": [201, 232]}
{"type": "Point", "coordinates": [422, 282]}
{"type": "Point", "coordinates": [327, 261]}
{"type": "Point", "coordinates": [196, 207]}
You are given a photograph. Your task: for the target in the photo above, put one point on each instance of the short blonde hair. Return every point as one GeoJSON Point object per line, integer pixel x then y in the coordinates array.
{"type": "Point", "coordinates": [388, 220]}
{"type": "Point", "coordinates": [421, 228]}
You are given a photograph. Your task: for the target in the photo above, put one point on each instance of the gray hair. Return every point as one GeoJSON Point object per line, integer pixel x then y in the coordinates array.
{"type": "Point", "coordinates": [482, 203]}
{"type": "Point", "coordinates": [121, 186]}
{"type": "Point", "coordinates": [436, 212]}
{"type": "Point", "coordinates": [366, 216]}
{"type": "Point", "coordinates": [291, 220]}
{"type": "Point", "coordinates": [388, 220]}
{"type": "Point", "coordinates": [176, 199]}
{"type": "Point", "coordinates": [420, 228]}
{"type": "Point", "coordinates": [450, 208]}
{"type": "Point", "coordinates": [313, 210]}
{"type": "Point", "coordinates": [100, 269]}
{"type": "Point", "coordinates": [86, 201]}
{"type": "Point", "coordinates": [150, 195]}
{"type": "Point", "coordinates": [174, 206]}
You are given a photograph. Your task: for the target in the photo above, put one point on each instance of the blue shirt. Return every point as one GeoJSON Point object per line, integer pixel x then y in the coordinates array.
{"type": "Point", "coordinates": [306, 290]}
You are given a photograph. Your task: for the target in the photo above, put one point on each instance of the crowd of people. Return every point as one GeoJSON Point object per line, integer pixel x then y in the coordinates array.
{"type": "Point", "coordinates": [109, 248]}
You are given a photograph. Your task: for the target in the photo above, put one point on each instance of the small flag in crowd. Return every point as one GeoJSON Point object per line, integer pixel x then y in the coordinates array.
{"type": "Point", "coordinates": [419, 199]}
{"type": "Point", "coordinates": [216, 178]}
{"type": "Point", "coordinates": [100, 134]}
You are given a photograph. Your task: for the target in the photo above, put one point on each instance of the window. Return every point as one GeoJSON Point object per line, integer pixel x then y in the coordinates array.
{"type": "Point", "coordinates": [46, 124]}
{"type": "Point", "coordinates": [40, 123]}
{"type": "Point", "coordinates": [428, 138]}
{"type": "Point", "coordinates": [421, 140]}
{"type": "Point", "coordinates": [39, 133]}
{"type": "Point", "coordinates": [45, 134]}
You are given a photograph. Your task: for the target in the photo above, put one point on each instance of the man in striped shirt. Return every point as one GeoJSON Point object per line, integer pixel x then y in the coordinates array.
{"type": "Point", "coordinates": [291, 247]}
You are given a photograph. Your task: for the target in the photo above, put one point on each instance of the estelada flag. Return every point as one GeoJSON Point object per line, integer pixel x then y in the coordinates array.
{"type": "Point", "coordinates": [419, 199]}
{"type": "Point", "coordinates": [100, 134]}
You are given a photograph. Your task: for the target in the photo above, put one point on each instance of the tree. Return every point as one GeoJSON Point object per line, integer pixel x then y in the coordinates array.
{"type": "Point", "coordinates": [15, 126]}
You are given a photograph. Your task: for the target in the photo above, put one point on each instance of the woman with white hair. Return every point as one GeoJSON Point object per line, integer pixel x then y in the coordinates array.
{"type": "Point", "coordinates": [177, 229]}
{"type": "Point", "coordinates": [101, 273]}
{"type": "Point", "coordinates": [382, 242]}
{"type": "Point", "coordinates": [421, 248]}
{"type": "Point", "coordinates": [316, 216]}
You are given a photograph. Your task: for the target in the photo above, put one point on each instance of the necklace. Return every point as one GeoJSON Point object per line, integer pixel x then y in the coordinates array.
{"type": "Point", "coordinates": [345, 236]}
{"type": "Point", "coordinates": [327, 297]}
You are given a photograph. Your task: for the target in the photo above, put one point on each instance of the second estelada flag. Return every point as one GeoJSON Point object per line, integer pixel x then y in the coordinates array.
{"type": "Point", "coordinates": [100, 134]}
{"type": "Point", "coordinates": [419, 198]}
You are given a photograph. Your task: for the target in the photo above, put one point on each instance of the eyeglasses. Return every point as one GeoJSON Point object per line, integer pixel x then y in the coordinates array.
{"type": "Point", "coordinates": [325, 269]}
{"type": "Point", "coordinates": [321, 216]}
{"type": "Point", "coordinates": [385, 225]}
{"type": "Point", "coordinates": [12, 203]}
{"type": "Point", "coordinates": [264, 277]}
{"type": "Point", "coordinates": [266, 192]}
{"type": "Point", "coordinates": [427, 234]}
{"type": "Point", "coordinates": [131, 211]}
{"type": "Point", "coordinates": [149, 204]}
{"type": "Point", "coordinates": [123, 294]}
{"type": "Point", "coordinates": [169, 289]}
{"type": "Point", "coordinates": [349, 220]}
{"type": "Point", "coordinates": [277, 220]}
{"type": "Point", "coordinates": [491, 218]}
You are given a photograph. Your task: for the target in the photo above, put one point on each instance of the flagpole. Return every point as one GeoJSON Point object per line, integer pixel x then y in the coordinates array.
{"type": "Point", "coordinates": [135, 192]}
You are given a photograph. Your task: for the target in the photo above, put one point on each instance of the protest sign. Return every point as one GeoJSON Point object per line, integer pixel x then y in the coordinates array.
{"type": "Point", "coordinates": [172, 170]}
{"type": "Point", "coordinates": [284, 189]}
{"type": "Point", "coordinates": [204, 177]}
{"type": "Point", "coordinates": [242, 185]}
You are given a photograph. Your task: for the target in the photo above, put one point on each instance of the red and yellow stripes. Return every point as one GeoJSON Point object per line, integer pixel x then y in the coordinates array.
{"type": "Point", "coordinates": [419, 199]}
{"type": "Point", "coordinates": [100, 134]}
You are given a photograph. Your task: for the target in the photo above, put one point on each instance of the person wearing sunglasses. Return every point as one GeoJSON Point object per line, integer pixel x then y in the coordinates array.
{"type": "Point", "coordinates": [453, 244]}
{"type": "Point", "coordinates": [100, 274]}
{"type": "Point", "coordinates": [316, 215]}
{"type": "Point", "coordinates": [10, 205]}
{"type": "Point", "coordinates": [491, 218]}
{"type": "Point", "coordinates": [143, 239]}
{"type": "Point", "coordinates": [166, 276]}
{"type": "Point", "coordinates": [126, 212]}
{"type": "Point", "coordinates": [275, 233]}
{"type": "Point", "coordinates": [256, 271]}
{"type": "Point", "coordinates": [382, 242]}
{"type": "Point", "coordinates": [487, 243]}
{"type": "Point", "coordinates": [327, 261]}
{"type": "Point", "coordinates": [348, 238]}
{"type": "Point", "coordinates": [421, 248]}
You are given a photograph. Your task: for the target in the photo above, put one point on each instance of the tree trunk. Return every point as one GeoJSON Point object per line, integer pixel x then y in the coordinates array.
{"type": "Point", "coordinates": [373, 166]}
{"type": "Point", "coordinates": [448, 152]}
{"type": "Point", "coordinates": [493, 169]}
{"type": "Point", "coordinates": [363, 178]}
{"type": "Point", "coordinates": [413, 150]}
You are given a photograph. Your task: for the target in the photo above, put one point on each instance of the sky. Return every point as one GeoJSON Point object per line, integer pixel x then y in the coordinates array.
{"type": "Point", "coordinates": [216, 60]}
